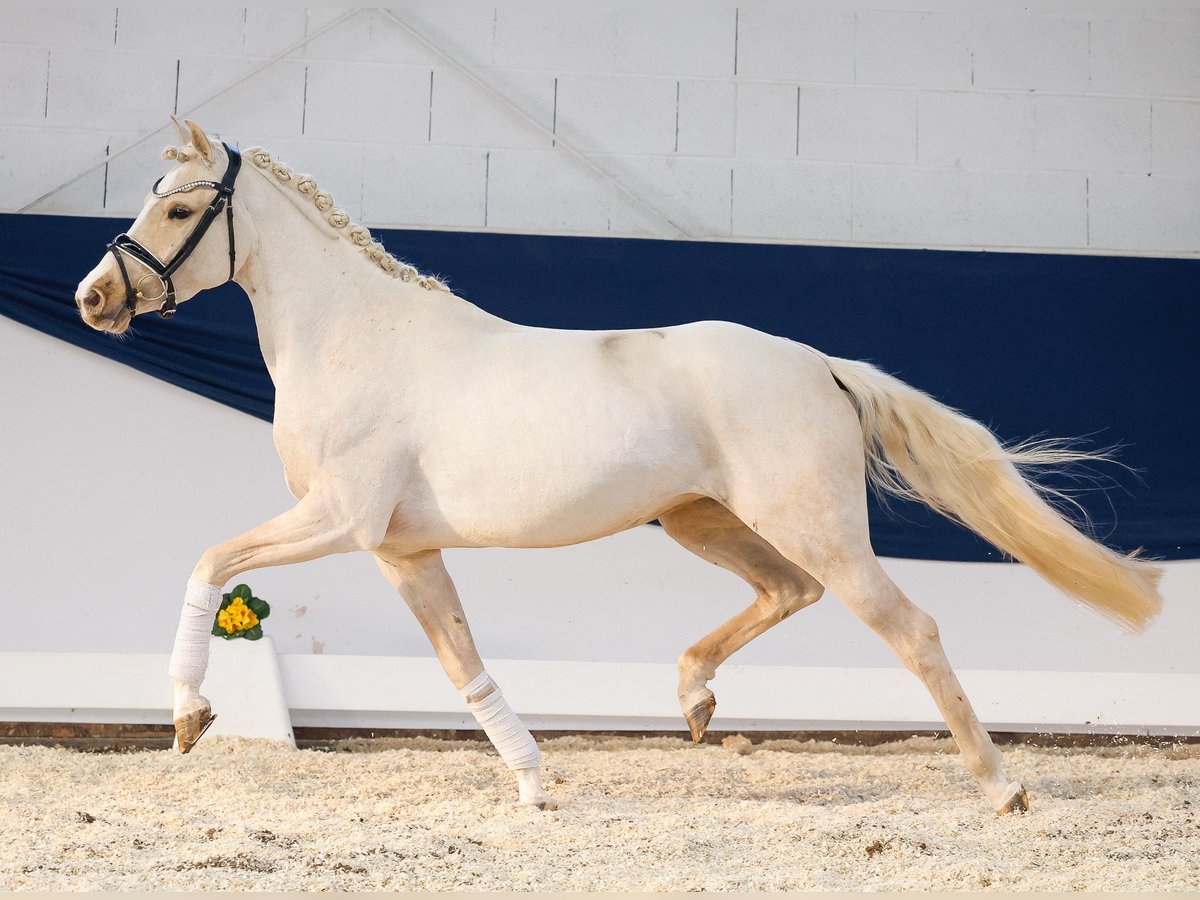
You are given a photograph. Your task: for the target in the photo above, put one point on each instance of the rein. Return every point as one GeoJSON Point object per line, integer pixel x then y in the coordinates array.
{"type": "Point", "coordinates": [124, 244]}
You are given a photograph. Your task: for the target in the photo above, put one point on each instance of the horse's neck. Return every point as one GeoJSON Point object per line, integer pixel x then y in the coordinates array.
{"type": "Point", "coordinates": [311, 288]}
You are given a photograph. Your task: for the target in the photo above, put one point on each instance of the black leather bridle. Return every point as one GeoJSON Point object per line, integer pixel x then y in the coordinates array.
{"type": "Point", "coordinates": [124, 244]}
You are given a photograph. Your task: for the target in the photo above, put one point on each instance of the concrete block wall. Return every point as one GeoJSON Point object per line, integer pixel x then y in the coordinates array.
{"type": "Point", "coordinates": [1076, 129]}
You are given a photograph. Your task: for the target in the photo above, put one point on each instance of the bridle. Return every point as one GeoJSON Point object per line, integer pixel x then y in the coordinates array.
{"type": "Point", "coordinates": [124, 244]}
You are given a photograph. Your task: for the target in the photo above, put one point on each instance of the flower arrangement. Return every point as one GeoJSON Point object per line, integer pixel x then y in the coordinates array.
{"type": "Point", "coordinates": [240, 615]}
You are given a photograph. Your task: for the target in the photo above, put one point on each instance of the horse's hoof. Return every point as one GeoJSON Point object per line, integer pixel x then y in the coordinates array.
{"type": "Point", "coordinates": [190, 727]}
{"type": "Point", "coordinates": [699, 716]}
{"type": "Point", "coordinates": [1017, 801]}
{"type": "Point", "coordinates": [542, 804]}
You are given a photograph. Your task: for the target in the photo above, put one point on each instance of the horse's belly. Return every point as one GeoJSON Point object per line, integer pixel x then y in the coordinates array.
{"type": "Point", "coordinates": [554, 498]}
{"type": "Point", "coordinates": [557, 524]}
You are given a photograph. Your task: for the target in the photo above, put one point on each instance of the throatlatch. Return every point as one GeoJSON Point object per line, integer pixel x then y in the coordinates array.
{"type": "Point", "coordinates": [124, 244]}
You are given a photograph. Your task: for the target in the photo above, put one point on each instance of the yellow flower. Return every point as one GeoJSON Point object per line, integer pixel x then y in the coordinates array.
{"type": "Point", "coordinates": [237, 617]}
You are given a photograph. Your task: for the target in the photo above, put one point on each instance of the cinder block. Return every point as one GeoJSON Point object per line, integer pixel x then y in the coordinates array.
{"type": "Point", "coordinates": [796, 43]}
{"type": "Point", "coordinates": [1027, 51]}
{"type": "Point", "coordinates": [913, 49]}
{"type": "Point", "coordinates": [348, 40]}
{"type": "Point", "coordinates": [85, 197]}
{"type": "Point", "coordinates": [792, 200]}
{"type": "Point", "coordinates": [463, 32]}
{"type": "Point", "coordinates": [368, 102]}
{"type": "Point", "coordinates": [1103, 134]}
{"type": "Point", "coordinates": [368, 35]}
{"type": "Point", "coordinates": [465, 114]}
{"type": "Point", "coordinates": [912, 206]}
{"type": "Point", "coordinates": [128, 178]}
{"type": "Point", "coordinates": [337, 166]}
{"type": "Point", "coordinates": [439, 187]}
{"type": "Point", "coordinates": [561, 38]}
{"type": "Point", "coordinates": [269, 105]}
{"type": "Point", "coordinates": [181, 29]}
{"type": "Point", "coordinates": [678, 41]}
{"type": "Point", "coordinates": [110, 89]}
{"type": "Point", "coordinates": [24, 74]}
{"type": "Point", "coordinates": [544, 191]}
{"type": "Point", "coordinates": [975, 130]}
{"type": "Point", "coordinates": [1028, 209]}
{"type": "Point", "coordinates": [766, 120]}
{"type": "Point", "coordinates": [692, 193]}
{"type": "Point", "coordinates": [617, 113]}
{"type": "Point", "coordinates": [855, 124]}
{"type": "Point", "coordinates": [60, 27]}
{"type": "Point", "coordinates": [1137, 212]}
{"type": "Point", "coordinates": [35, 160]}
{"type": "Point", "coordinates": [1156, 56]}
{"type": "Point", "coordinates": [707, 118]}
{"type": "Point", "coordinates": [267, 30]}
{"type": "Point", "coordinates": [1175, 133]}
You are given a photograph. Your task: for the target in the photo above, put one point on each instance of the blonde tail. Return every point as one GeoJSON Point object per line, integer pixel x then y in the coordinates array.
{"type": "Point", "coordinates": [919, 449]}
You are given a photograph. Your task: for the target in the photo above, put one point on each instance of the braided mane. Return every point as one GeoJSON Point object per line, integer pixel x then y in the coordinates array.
{"type": "Point", "coordinates": [335, 218]}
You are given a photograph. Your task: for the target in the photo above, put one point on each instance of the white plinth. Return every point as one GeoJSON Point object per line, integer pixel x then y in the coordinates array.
{"type": "Point", "coordinates": [245, 687]}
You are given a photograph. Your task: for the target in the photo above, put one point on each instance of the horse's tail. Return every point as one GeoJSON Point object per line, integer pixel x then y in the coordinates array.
{"type": "Point", "coordinates": [919, 449]}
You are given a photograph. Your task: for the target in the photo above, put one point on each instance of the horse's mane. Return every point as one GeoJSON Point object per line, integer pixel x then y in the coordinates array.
{"type": "Point", "coordinates": [335, 218]}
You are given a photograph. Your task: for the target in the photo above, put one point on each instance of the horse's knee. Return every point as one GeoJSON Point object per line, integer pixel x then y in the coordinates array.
{"type": "Point", "coordinates": [206, 568]}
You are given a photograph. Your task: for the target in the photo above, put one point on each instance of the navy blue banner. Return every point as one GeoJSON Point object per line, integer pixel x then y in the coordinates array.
{"type": "Point", "coordinates": [1030, 344]}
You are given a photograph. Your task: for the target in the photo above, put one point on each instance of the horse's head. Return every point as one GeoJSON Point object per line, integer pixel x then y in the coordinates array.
{"type": "Point", "coordinates": [181, 243]}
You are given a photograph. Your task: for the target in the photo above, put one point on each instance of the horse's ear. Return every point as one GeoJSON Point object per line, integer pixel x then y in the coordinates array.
{"type": "Point", "coordinates": [184, 137]}
{"type": "Point", "coordinates": [199, 140]}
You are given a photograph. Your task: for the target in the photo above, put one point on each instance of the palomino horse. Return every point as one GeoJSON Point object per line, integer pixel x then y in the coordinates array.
{"type": "Point", "coordinates": [408, 421]}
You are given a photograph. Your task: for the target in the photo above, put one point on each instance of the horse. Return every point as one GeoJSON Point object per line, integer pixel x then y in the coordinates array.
{"type": "Point", "coordinates": [409, 420]}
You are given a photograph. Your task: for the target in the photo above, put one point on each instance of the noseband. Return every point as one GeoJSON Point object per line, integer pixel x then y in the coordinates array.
{"type": "Point", "coordinates": [124, 244]}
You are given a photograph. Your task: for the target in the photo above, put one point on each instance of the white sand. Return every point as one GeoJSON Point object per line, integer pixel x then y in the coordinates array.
{"type": "Point", "coordinates": [636, 814]}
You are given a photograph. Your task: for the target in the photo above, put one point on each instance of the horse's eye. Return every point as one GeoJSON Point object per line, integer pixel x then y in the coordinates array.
{"type": "Point", "coordinates": [180, 212]}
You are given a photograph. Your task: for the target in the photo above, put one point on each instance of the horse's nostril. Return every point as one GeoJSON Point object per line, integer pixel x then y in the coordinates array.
{"type": "Point", "coordinates": [93, 299]}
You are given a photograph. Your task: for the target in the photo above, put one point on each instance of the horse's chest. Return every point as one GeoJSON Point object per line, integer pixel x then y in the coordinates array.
{"type": "Point", "coordinates": [341, 445]}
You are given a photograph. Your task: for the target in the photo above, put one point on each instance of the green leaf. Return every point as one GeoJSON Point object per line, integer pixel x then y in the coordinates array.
{"type": "Point", "coordinates": [217, 629]}
{"type": "Point", "coordinates": [252, 634]}
{"type": "Point", "coordinates": [243, 591]}
{"type": "Point", "coordinates": [226, 599]}
{"type": "Point", "coordinates": [260, 608]}
{"type": "Point", "coordinates": [230, 637]}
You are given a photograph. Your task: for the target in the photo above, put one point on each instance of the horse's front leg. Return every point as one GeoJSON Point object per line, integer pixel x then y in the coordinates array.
{"type": "Point", "coordinates": [313, 528]}
{"type": "Point", "coordinates": [426, 587]}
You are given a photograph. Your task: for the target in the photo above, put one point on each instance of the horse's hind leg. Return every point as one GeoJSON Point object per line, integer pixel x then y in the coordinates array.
{"type": "Point", "coordinates": [426, 587]}
{"type": "Point", "coordinates": [833, 543]}
{"type": "Point", "coordinates": [842, 558]}
{"type": "Point", "coordinates": [867, 590]}
{"type": "Point", "coordinates": [712, 532]}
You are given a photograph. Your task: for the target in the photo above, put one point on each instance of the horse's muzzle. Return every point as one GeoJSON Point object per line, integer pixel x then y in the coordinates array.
{"type": "Point", "coordinates": [99, 309]}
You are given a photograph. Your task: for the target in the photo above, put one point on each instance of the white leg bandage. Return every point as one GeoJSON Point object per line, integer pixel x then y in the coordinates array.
{"type": "Point", "coordinates": [189, 659]}
{"type": "Point", "coordinates": [512, 739]}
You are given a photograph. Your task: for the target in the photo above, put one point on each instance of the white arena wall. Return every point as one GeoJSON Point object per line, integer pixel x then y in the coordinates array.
{"type": "Point", "coordinates": [1076, 128]}
{"type": "Point", "coordinates": [996, 130]}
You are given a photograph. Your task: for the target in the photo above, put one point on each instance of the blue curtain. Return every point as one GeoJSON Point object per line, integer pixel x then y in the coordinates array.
{"type": "Point", "coordinates": [1030, 344]}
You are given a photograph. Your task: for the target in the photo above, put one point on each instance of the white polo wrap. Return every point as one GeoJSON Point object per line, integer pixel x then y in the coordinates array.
{"type": "Point", "coordinates": [512, 739]}
{"type": "Point", "coordinates": [189, 659]}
